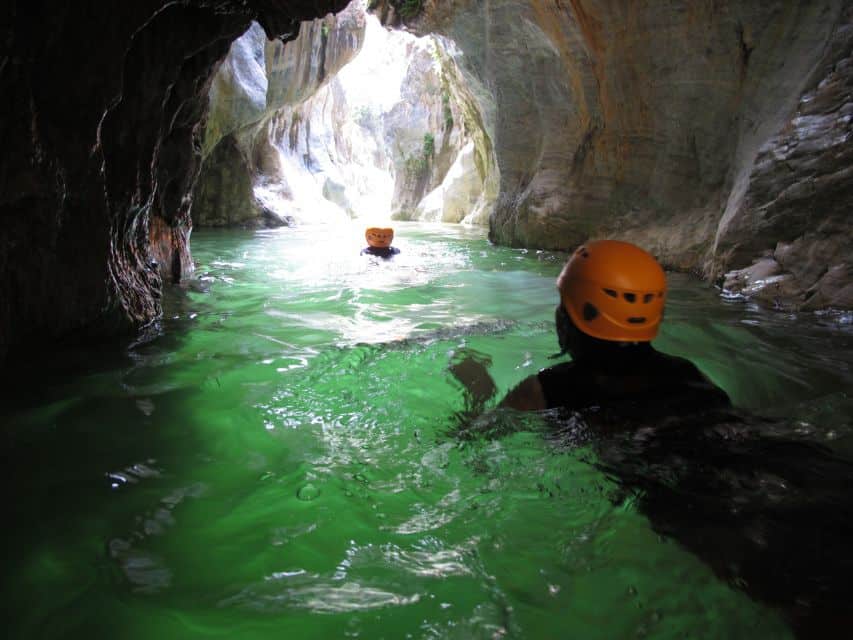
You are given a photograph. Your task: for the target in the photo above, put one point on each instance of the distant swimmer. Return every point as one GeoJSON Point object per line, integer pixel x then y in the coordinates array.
{"type": "Point", "coordinates": [379, 242]}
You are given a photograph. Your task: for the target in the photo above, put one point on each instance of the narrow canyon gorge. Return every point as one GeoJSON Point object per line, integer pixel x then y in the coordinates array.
{"type": "Point", "coordinates": [714, 134]}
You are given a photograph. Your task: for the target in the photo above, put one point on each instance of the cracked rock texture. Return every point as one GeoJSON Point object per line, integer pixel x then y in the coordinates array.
{"type": "Point", "coordinates": [100, 112]}
{"type": "Point", "coordinates": [796, 207]}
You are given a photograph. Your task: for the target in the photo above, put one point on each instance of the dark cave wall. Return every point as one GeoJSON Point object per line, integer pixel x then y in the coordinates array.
{"type": "Point", "coordinates": [100, 120]}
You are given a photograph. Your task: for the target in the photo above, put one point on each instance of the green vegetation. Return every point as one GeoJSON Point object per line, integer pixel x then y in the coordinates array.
{"type": "Point", "coordinates": [448, 112]}
{"type": "Point", "coordinates": [429, 146]}
{"type": "Point", "coordinates": [418, 163]}
{"type": "Point", "coordinates": [408, 8]}
{"type": "Point", "coordinates": [363, 115]}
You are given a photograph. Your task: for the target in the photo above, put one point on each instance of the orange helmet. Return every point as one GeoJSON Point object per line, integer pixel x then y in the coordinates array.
{"type": "Point", "coordinates": [614, 291]}
{"type": "Point", "coordinates": [378, 237]}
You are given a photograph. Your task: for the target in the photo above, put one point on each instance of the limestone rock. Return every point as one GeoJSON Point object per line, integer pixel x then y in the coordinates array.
{"type": "Point", "coordinates": [324, 148]}
{"type": "Point", "coordinates": [226, 194]}
{"type": "Point", "coordinates": [298, 68]}
{"type": "Point", "coordinates": [833, 290]}
{"type": "Point", "coordinates": [800, 188]}
{"type": "Point", "coordinates": [764, 281]}
{"type": "Point", "coordinates": [258, 79]}
{"type": "Point", "coordinates": [706, 132]}
{"type": "Point", "coordinates": [457, 196]}
{"type": "Point", "coordinates": [238, 94]}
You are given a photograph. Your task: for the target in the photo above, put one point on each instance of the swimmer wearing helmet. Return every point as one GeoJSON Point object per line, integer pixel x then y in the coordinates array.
{"type": "Point", "coordinates": [379, 242]}
{"type": "Point", "coordinates": [612, 297]}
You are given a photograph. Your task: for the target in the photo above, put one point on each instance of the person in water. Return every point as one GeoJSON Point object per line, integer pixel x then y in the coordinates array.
{"type": "Point", "coordinates": [769, 513]}
{"type": "Point", "coordinates": [612, 297]}
{"type": "Point", "coordinates": [379, 242]}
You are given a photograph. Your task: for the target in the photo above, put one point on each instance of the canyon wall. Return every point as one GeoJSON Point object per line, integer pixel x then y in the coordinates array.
{"type": "Point", "coordinates": [347, 120]}
{"type": "Point", "coordinates": [716, 134]}
{"type": "Point", "coordinates": [100, 113]}
{"type": "Point", "coordinates": [257, 79]}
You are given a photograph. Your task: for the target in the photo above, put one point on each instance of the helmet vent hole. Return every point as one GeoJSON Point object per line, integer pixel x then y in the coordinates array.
{"type": "Point", "coordinates": [630, 297]}
{"type": "Point", "coordinates": [589, 312]}
{"type": "Point", "coordinates": [636, 320]}
{"type": "Point", "coordinates": [611, 293]}
{"type": "Point", "coordinates": [648, 298]}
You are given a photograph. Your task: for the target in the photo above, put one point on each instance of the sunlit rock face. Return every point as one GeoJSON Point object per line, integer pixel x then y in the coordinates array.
{"type": "Point", "coordinates": [711, 133]}
{"type": "Point", "coordinates": [358, 121]}
{"type": "Point", "coordinates": [100, 128]}
{"type": "Point", "coordinates": [258, 78]}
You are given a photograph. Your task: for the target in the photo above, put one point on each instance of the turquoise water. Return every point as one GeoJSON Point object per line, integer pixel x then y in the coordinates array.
{"type": "Point", "coordinates": [277, 457]}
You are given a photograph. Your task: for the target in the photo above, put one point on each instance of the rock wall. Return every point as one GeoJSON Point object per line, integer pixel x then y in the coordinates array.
{"type": "Point", "coordinates": [715, 133]}
{"type": "Point", "coordinates": [258, 78]}
{"type": "Point", "coordinates": [357, 122]}
{"type": "Point", "coordinates": [100, 122]}
{"type": "Point", "coordinates": [459, 182]}
{"type": "Point", "coordinates": [795, 209]}
{"type": "Point", "coordinates": [702, 130]}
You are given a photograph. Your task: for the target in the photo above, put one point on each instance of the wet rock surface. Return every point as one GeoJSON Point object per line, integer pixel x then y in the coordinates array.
{"type": "Point", "coordinates": [800, 191]}
{"type": "Point", "coordinates": [100, 123]}
{"type": "Point", "coordinates": [257, 78]}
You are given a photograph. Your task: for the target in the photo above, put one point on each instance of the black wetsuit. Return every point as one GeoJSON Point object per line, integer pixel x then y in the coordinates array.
{"type": "Point", "coordinates": [380, 252]}
{"type": "Point", "coordinates": [633, 380]}
{"type": "Point", "coordinates": [767, 510]}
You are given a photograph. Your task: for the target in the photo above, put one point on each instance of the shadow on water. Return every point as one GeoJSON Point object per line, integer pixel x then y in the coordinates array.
{"type": "Point", "coordinates": [768, 511]}
{"type": "Point", "coordinates": [75, 431]}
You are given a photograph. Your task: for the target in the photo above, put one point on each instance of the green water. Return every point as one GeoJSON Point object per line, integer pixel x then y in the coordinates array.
{"type": "Point", "coordinates": [276, 460]}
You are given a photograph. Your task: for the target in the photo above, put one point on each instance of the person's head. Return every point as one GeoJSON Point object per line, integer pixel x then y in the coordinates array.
{"type": "Point", "coordinates": [379, 237]}
{"type": "Point", "coordinates": [611, 292]}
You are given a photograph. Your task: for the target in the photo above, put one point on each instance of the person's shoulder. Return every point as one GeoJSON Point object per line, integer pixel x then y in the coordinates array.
{"type": "Point", "coordinates": [561, 366]}
{"type": "Point", "coordinates": [564, 384]}
{"type": "Point", "coordinates": [561, 370]}
{"type": "Point", "coordinates": [676, 364]}
{"type": "Point", "coordinates": [691, 376]}
{"type": "Point", "coordinates": [527, 395]}
{"type": "Point", "coordinates": [393, 250]}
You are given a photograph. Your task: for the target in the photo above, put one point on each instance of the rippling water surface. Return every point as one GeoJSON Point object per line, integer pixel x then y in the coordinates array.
{"type": "Point", "coordinates": [278, 459]}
